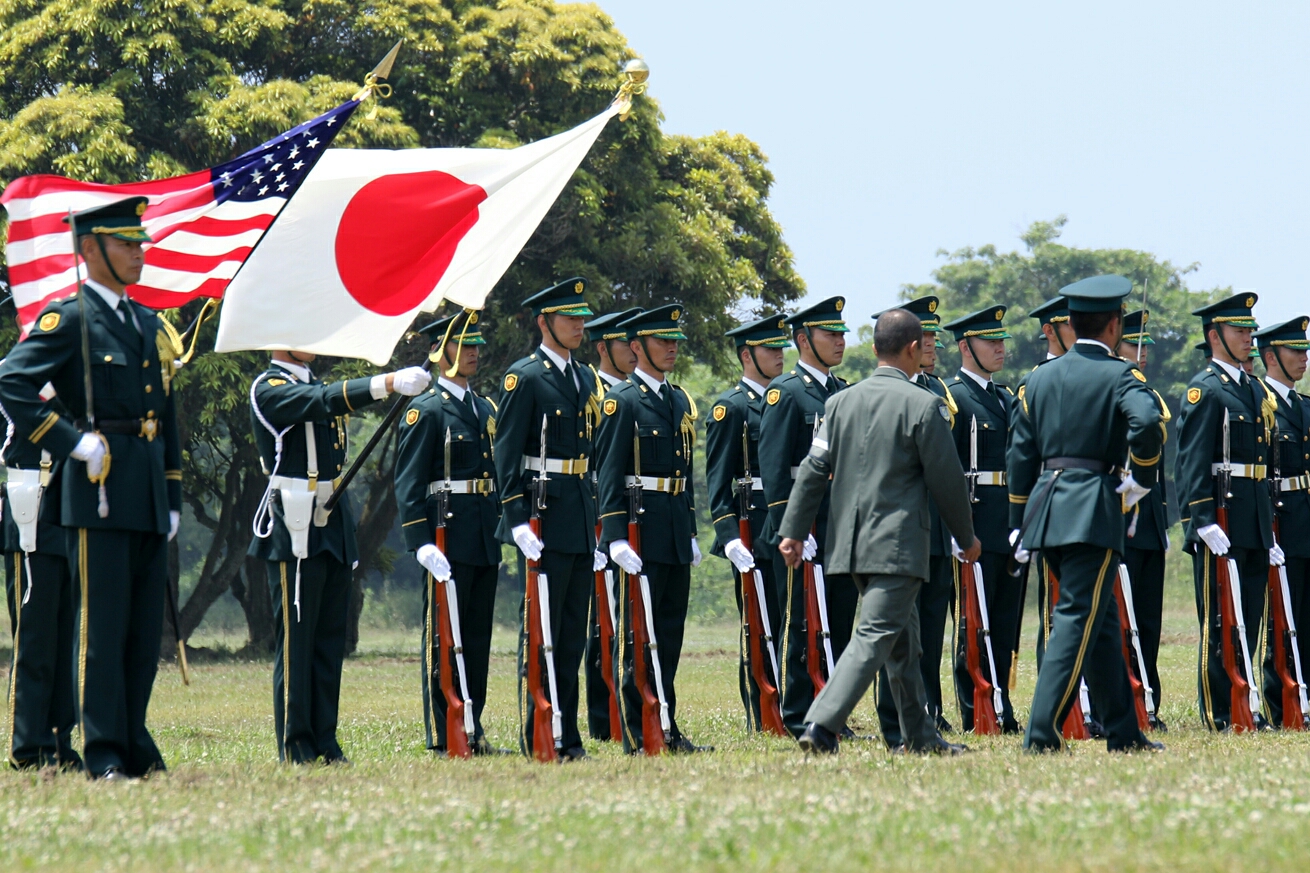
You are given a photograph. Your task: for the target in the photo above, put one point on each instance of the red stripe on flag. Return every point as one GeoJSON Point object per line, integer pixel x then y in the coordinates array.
{"type": "Point", "coordinates": [158, 298]}
{"type": "Point", "coordinates": [33, 271]}
{"type": "Point", "coordinates": [25, 187]}
{"type": "Point", "coordinates": [183, 262]}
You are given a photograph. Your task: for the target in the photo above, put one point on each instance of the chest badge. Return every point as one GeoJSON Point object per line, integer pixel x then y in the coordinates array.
{"type": "Point", "coordinates": [773, 397]}
{"type": "Point", "coordinates": [1193, 395]}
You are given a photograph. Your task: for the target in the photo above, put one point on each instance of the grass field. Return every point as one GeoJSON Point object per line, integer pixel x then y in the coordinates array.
{"type": "Point", "coordinates": [1209, 803]}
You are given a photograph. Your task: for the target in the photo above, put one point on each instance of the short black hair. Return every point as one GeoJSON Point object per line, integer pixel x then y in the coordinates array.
{"type": "Point", "coordinates": [1089, 325]}
{"type": "Point", "coordinates": [895, 330]}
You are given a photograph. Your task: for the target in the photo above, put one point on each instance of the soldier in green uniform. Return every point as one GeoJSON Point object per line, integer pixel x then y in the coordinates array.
{"type": "Point", "coordinates": [734, 423]}
{"type": "Point", "coordinates": [938, 591]}
{"type": "Point", "coordinates": [119, 517]}
{"type": "Point", "coordinates": [615, 362]}
{"type": "Point", "coordinates": [980, 429]}
{"type": "Point", "coordinates": [445, 444]}
{"type": "Point", "coordinates": [549, 385]}
{"type": "Point", "coordinates": [1146, 528]}
{"type": "Point", "coordinates": [1222, 392]}
{"type": "Point", "coordinates": [1283, 349]}
{"type": "Point", "coordinates": [300, 433]}
{"type": "Point", "coordinates": [1080, 417]}
{"type": "Point", "coordinates": [793, 410]}
{"type": "Point", "coordinates": [660, 416]}
{"type": "Point", "coordinates": [41, 614]}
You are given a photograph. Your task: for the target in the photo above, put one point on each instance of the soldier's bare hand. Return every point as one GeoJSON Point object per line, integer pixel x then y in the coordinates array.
{"type": "Point", "coordinates": [974, 552]}
{"type": "Point", "coordinates": [793, 551]}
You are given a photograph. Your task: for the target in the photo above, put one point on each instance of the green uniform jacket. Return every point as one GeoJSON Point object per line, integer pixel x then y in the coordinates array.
{"type": "Point", "coordinates": [667, 436]}
{"type": "Point", "coordinates": [880, 485]}
{"type": "Point", "coordinates": [1293, 460]}
{"type": "Point", "coordinates": [738, 407]}
{"type": "Point", "coordinates": [1200, 444]}
{"type": "Point", "coordinates": [23, 455]}
{"type": "Point", "coordinates": [288, 404]}
{"type": "Point", "coordinates": [421, 459]}
{"type": "Point", "coordinates": [991, 513]}
{"type": "Point", "coordinates": [792, 405]}
{"type": "Point", "coordinates": [1152, 510]}
{"type": "Point", "coordinates": [534, 387]}
{"type": "Point", "coordinates": [1087, 404]}
{"type": "Point", "coordinates": [145, 476]}
{"type": "Point", "coordinates": [941, 537]}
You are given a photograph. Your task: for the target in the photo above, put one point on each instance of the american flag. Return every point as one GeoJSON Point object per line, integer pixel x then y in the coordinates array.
{"type": "Point", "coordinates": [204, 225]}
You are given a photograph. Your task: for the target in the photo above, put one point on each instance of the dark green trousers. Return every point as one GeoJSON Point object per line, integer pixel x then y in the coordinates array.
{"type": "Point", "coordinates": [571, 581]}
{"type": "Point", "coordinates": [670, 588]}
{"type": "Point", "coordinates": [1146, 572]}
{"type": "Point", "coordinates": [797, 690]}
{"type": "Point", "coordinates": [1298, 583]}
{"type": "Point", "coordinates": [119, 578]}
{"type": "Point", "coordinates": [1214, 691]}
{"type": "Point", "coordinates": [475, 588]}
{"type": "Point", "coordinates": [41, 711]}
{"type": "Point", "coordinates": [935, 598]}
{"type": "Point", "coordinates": [1003, 612]}
{"type": "Point", "coordinates": [1085, 641]}
{"type": "Point", "coordinates": [746, 684]}
{"type": "Point", "coordinates": [598, 693]}
{"type": "Point", "coordinates": [307, 660]}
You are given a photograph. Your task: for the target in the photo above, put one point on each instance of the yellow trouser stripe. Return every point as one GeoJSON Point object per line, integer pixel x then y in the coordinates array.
{"type": "Point", "coordinates": [13, 663]}
{"type": "Point", "coordinates": [83, 631]}
{"type": "Point", "coordinates": [1082, 646]}
{"type": "Point", "coordinates": [429, 628]}
{"type": "Point", "coordinates": [1205, 640]}
{"type": "Point", "coordinates": [286, 658]}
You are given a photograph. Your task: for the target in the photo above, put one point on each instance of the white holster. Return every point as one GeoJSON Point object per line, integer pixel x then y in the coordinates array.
{"type": "Point", "coordinates": [302, 499]}
{"type": "Point", "coordinates": [25, 488]}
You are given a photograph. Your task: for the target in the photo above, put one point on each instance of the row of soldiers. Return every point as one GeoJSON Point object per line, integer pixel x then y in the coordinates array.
{"type": "Point", "coordinates": [588, 474]}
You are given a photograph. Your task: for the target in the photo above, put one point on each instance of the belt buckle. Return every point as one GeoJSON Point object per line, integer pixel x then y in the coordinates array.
{"type": "Point", "coordinates": [149, 427]}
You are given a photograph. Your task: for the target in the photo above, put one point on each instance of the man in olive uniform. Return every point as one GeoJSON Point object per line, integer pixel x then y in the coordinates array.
{"type": "Point", "coordinates": [980, 429]}
{"type": "Point", "coordinates": [1283, 349]}
{"type": "Point", "coordinates": [41, 616]}
{"type": "Point", "coordinates": [938, 591]}
{"type": "Point", "coordinates": [445, 445]}
{"type": "Point", "coordinates": [1146, 528]}
{"type": "Point", "coordinates": [615, 361]}
{"type": "Point", "coordinates": [1222, 392]}
{"type": "Point", "coordinates": [550, 385]}
{"type": "Point", "coordinates": [119, 516]}
{"type": "Point", "coordinates": [793, 410]}
{"type": "Point", "coordinates": [1080, 417]}
{"type": "Point", "coordinates": [734, 427]}
{"type": "Point", "coordinates": [650, 410]}
{"type": "Point", "coordinates": [300, 433]}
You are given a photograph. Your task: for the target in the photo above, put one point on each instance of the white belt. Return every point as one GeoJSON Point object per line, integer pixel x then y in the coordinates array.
{"type": "Point", "coordinates": [1295, 483]}
{"type": "Point", "coordinates": [991, 477]}
{"type": "Point", "coordinates": [1240, 471]}
{"type": "Point", "coordinates": [564, 466]}
{"type": "Point", "coordinates": [19, 476]}
{"type": "Point", "coordinates": [324, 489]}
{"type": "Point", "coordinates": [463, 486]}
{"type": "Point", "coordinates": [658, 483]}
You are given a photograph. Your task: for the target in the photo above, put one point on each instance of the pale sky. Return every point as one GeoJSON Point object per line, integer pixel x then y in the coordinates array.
{"type": "Point", "coordinates": [893, 130]}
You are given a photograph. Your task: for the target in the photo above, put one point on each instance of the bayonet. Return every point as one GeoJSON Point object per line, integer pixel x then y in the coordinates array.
{"type": "Point", "coordinates": [973, 459]}
{"type": "Point", "coordinates": [542, 477]}
{"type": "Point", "coordinates": [1226, 470]}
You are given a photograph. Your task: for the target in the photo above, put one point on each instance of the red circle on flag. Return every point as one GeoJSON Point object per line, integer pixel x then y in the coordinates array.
{"type": "Point", "coordinates": [398, 235]}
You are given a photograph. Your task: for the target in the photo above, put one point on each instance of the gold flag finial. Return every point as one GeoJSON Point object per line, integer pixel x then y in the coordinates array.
{"type": "Point", "coordinates": [381, 71]}
{"type": "Point", "coordinates": [637, 72]}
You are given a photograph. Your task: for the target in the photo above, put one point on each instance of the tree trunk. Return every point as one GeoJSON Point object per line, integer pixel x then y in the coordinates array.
{"type": "Point", "coordinates": [250, 588]}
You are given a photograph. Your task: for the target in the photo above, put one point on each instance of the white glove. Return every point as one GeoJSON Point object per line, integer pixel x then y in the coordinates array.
{"type": "Point", "coordinates": [527, 542]}
{"type": "Point", "coordinates": [1276, 556]}
{"type": "Point", "coordinates": [599, 561]}
{"type": "Point", "coordinates": [810, 549]}
{"type": "Point", "coordinates": [411, 381]}
{"type": "Point", "coordinates": [1167, 544]}
{"type": "Point", "coordinates": [1131, 491]}
{"type": "Point", "coordinates": [1215, 539]}
{"type": "Point", "coordinates": [1021, 554]}
{"type": "Point", "coordinates": [431, 559]}
{"type": "Point", "coordinates": [956, 552]}
{"type": "Point", "coordinates": [740, 556]}
{"type": "Point", "coordinates": [174, 522]}
{"type": "Point", "coordinates": [696, 556]}
{"type": "Point", "coordinates": [91, 449]}
{"type": "Point", "coordinates": [625, 557]}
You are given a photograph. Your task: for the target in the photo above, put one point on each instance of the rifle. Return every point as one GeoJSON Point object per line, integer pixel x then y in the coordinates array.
{"type": "Point", "coordinates": [1287, 657]}
{"type": "Point", "coordinates": [759, 636]}
{"type": "Point", "coordinates": [1138, 682]}
{"type": "Point", "coordinates": [443, 599]}
{"type": "Point", "coordinates": [1244, 699]}
{"type": "Point", "coordinates": [987, 702]}
{"type": "Point", "coordinates": [548, 722]}
{"type": "Point", "coordinates": [606, 620]}
{"type": "Point", "coordinates": [817, 633]}
{"type": "Point", "coordinates": [1075, 724]}
{"type": "Point", "coordinates": [656, 729]}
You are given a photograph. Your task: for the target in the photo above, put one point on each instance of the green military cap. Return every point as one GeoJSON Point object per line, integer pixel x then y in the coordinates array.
{"type": "Point", "coordinates": [1053, 311]}
{"type": "Point", "coordinates": [562, 299]}
{"type": "Point", "coordinates": [1097, 293]}
{"type": "Point", "coordinates": [1135, 327]}
{"type": "Point", "coordinates": [983, 324]}
{"type": "Point", "coordinates": [825, 315]}
{"type": "Point", "coordinates": [926, 309]}
{"type": "Point", "coordinates": [606, 327]}
{"type": "Point", "coordinates": [1254, 354]}
{"type": "Point", "coordinates": [121, 219]}
{"type": "Point", "coordinates": [1290, 334]}
{"type": "Point", "coordinates": [769, 331]}
{"type": "Point", "coordinates": [660, 322]}
{"type": "Point", "coordinates": [461, 327]}
{"type": "Point", "coordinates": [1234, 311]}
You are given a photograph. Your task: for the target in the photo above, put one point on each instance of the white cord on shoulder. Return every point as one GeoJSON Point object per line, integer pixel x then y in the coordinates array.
{"type": "Point", "coordinates": [262, 526]}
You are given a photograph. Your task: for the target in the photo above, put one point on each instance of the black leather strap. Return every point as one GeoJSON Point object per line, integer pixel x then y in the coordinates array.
{"type": "Point", "coordinates": [1065, 463]}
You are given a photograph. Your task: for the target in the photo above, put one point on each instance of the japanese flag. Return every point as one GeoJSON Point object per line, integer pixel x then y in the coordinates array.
{"type": "Point", "coordinates": [374, 236]}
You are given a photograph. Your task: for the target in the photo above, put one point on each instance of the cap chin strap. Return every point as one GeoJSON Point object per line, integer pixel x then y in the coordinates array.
{"type": "Point", "coordinates": [814, 351]}
{"type": "Point", "coordinates": [1223, 341]}
{"type": "Point", "coordinates": [1064, 350]}
{"type": "Point", "coordinates": [550, 329]}
{"type": "Point", "coordinates": [751, 351]}
{"type": "Point", "coordinates": [1279, 358]}
{"type": "Point", "coordinates": [654, 366]}
{"type": "Point", "coordinates": [292, 356]}
{"type": "Point", "coordinates": [100, 241]}
{"type": "Point", "coordinates": [968, 341]}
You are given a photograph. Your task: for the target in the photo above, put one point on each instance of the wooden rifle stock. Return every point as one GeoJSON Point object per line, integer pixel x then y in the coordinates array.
{"type": "Point", "coordinates": [1293, 718]}
{"type": "Point", "coordinates": [986, 721]}
{"type": "Point", "coordinates": [606, 624]}
{"type": "Point", "coordinates": [813, 627]}
{"type": "Point", "coordinates": [1075, 726]}
{"type": "Point", "coordinates": [457, 741]}
{"type": "Point", "coordinates": [543, 738]}
{"type": "Point", "coordinates": [770, 706]}
{"type": "Point", "coordinates": [1240, 716]}
{"type": "Point", "coordinates": [1134, 682]}
{"type": "Point", "coordinates": [652, 731]}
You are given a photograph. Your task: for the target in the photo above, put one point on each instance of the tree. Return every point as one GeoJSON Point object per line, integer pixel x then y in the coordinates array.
{"type": "Point", "coordinates": [117, 90]}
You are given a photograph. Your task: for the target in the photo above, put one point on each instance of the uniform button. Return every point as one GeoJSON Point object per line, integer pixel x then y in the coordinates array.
{"type": "Point", "coordinates": [677, 472]}
{"type": "Point", "coordinates": [484, 454]}
{"type": "Point", "coordinates": [336, 445]}
{"type": "Point", "coordinates": [579, 433]}
{"type": "Point", "coordinates": [338, 468]}
{"type": "Point", "coordinates": [145, 364]}
{"type": "Point", "coordinates": [150, 413]}
{"type": "Point", "coordinates": [655, 433]}
{"type": "Point", "coordinates": [150, 388]}
{"type": "Point", "coordinates": [579, 415]}
{"type": "Point", "coordinates": [485, 475]}
{"type": "Point", "coordinates": [677, 454]}
{"type": "Point", "coordinates": [557, 412]}
{"type": "Point", "coordinates": [1259, 439]}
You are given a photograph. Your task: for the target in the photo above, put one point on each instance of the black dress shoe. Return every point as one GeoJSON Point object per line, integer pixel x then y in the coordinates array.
{"type": "Point", "coordinates": [850, 735]}
{"type": "Point", "coordinates": [1158, 725]}
{"type": "Point", "coordinates": [683, 746]}
{"type": "Point", "coordinates": [1095, 729]}
{"type": "Point", "coordinates": [1141, 744]}
{"type": "Point", "coordinates": [817, 739]}
{"type": "Point", "coordinates": [115, 774]}
{"type": "Point", "coordinates": [483, 747]}
{"type": "Point", "coordinates": [573, 753]}
{"type": "Point", "coordinates": [940, 747]}
{"type": "Point", "coordinates": [944, 726]}
{"type": "Point", "coordinates": [337, 759]}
